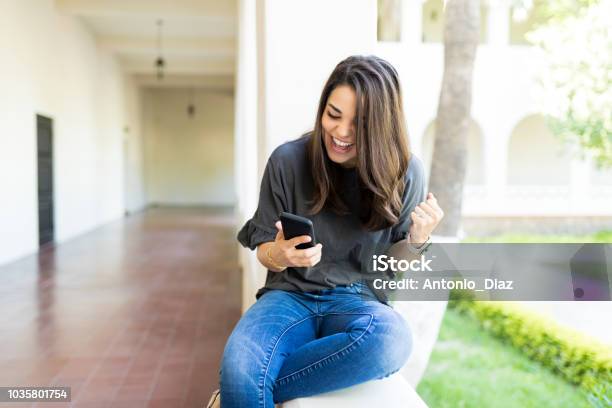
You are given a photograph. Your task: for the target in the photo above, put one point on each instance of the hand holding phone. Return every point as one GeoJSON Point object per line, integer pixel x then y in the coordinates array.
{"type": "Point", "coordinates": [295, 226]}
{"type": "Point", "coordinates": [295, 244]}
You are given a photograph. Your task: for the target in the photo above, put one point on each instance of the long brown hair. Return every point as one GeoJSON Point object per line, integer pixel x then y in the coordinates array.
{"type": "Point", "coordinates": [381, 143]}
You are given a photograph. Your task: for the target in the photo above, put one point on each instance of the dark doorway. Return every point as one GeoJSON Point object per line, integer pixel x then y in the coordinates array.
{"type": "Point", "coordinates": [44, 130]}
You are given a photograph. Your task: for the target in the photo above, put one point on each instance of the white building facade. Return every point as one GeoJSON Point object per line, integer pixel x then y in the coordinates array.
{"type": "Point", "coordinates": [518, 171]}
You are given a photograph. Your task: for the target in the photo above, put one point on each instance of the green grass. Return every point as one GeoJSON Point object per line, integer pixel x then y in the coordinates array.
{"type": "Point", "coordinates": [599, 237]}
{"type": "Point", "coordinates": [470, 368]}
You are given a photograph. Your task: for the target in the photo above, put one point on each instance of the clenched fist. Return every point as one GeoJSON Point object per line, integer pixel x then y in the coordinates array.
{"type": "Point", "coordinates": [425, 218]}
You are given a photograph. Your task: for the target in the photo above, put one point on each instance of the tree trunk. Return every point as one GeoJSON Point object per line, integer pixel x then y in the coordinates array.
{"type": "Point", "coordinates": [449, 161]}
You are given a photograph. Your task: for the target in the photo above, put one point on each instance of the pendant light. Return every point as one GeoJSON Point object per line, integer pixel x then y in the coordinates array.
{"type": "Point", "coordinates": [160, 62]}
{"type": "Point", "coordinates": [191, 109]}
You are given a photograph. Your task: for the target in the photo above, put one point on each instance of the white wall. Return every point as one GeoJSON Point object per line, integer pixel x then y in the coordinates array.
{"type": "Point", "coordinates": [188, 161]}
{"type": "Point", "coordinates": [304, 41]}
{"type": "Point", "coordinates": [134, 191]}
{"type": "Point", "coordinates": [50, 64]}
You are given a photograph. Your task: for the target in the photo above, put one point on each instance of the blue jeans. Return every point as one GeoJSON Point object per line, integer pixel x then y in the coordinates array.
{"type": "Point", "coordinates": [298, 344]}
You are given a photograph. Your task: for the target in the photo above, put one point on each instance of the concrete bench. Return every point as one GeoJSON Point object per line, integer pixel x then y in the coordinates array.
{"type": "Point", "coordinates": [391, 392]}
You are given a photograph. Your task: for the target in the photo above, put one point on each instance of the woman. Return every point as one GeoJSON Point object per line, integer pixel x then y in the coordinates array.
{"type": "Point", "coordinates": [317, 326]}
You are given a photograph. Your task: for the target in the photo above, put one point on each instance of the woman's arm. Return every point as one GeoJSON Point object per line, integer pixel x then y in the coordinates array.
{"type": "Point", "coordinates": [402, 250]}
{"type": "Point", "coordinates": [265, 257]}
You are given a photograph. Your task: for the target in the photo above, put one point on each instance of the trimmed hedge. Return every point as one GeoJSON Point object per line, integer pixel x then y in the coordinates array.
{"type": "Point", "coordinates": [577, 358]}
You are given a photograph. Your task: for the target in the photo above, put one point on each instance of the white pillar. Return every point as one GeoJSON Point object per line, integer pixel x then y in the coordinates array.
{"type": "Point", "coordinates": [245, 118]}
{"type": "Point", "coordinates": [246, 164]}
{"type": "Point", "coordinates": [412, 21]}
{"type": "Point", "coordinates": [499, 23]}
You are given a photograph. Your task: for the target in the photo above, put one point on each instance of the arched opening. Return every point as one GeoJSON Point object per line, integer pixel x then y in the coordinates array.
{"type": "Point", "coordinates": [536, 156]}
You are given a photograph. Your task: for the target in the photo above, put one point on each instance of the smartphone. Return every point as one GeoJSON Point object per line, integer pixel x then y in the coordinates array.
{"type": "Point", "coordinates": [295, 226]}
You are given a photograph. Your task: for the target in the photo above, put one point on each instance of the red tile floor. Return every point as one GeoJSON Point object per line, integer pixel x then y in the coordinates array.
{"type": "Point", "coordinates": [133, 314]}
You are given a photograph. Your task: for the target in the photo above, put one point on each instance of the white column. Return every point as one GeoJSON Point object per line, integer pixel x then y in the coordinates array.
{"type": "Point", "coordinates": [412, 21]}
{"type": "Point", "coordinates": [499, 22]}
{"type": "Point", "coordinates": [261, 35]}
{"type": "Point", "coordinates": [245, 140]}
{"type": "Point", "coordinates": [245, 118]}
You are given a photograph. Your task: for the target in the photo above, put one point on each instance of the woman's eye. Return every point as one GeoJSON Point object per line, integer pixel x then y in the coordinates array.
{"type": "Point", "coordinates": [332, 116]}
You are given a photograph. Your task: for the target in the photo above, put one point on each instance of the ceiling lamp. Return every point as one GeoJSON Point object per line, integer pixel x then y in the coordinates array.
{"type": "Point", "coordinates": [160, 62]}
{"type": "Point", "coordinates": [191, 109]}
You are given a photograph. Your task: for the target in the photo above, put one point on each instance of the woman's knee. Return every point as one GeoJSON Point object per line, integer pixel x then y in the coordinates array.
{"type": "Point", "coordinates": [393, 339]}
{"type": "Point", "coordinates": [241, 363]}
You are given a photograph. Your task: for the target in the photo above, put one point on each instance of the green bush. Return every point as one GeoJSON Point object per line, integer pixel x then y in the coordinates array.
{"type": "Point", "coordinates": [603, 237]}
{"type": "Point", "coordinates": [577, 358]}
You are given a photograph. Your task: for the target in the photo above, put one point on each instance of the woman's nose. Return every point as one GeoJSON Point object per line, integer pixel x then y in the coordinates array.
{"type": "Point", "coordinates": [344, 131]}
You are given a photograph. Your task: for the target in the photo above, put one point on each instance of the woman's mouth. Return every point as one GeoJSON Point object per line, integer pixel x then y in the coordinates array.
{"type": "Point", "coordinates": [340, 146]}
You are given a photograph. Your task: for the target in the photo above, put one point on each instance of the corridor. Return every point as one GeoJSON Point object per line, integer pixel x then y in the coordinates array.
{"type": "Point", "coordinates": [132, 314]}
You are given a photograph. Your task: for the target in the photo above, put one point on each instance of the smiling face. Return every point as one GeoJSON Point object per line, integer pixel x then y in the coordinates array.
{"type": "Point", "coordinates": [360, 124]}
{"type": "Point", "coordinates": [338, 122]}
